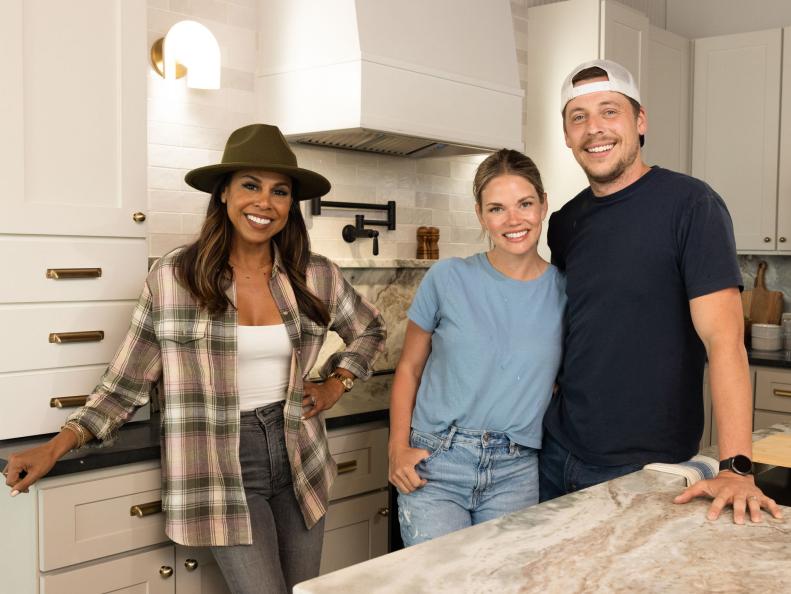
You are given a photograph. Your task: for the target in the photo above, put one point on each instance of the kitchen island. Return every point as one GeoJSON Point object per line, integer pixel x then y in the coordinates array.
{"type": "Point", "coordinates": [625, 535]}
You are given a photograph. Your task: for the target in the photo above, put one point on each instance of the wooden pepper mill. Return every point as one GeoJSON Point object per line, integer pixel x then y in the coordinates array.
{"type": "Point", "coordinates": [427, 243]}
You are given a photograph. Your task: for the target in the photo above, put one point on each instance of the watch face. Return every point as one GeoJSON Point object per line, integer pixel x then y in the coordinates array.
{"type": "Point", "coordinates": [742, 464]}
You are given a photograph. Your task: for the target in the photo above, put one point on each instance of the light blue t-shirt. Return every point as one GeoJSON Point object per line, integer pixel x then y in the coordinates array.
{"type": "Point", "coordinates": [495, 349]}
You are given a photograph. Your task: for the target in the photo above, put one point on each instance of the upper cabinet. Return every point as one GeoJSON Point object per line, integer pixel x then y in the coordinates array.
{"type": "Point", "coordinates": [561, 36]}
{"type": "Point", "coordinates": [73, 117]}
{"type": "Point", "coordinates": [668, 99]}
{"type": "Point", "coordinates": [741, 142]}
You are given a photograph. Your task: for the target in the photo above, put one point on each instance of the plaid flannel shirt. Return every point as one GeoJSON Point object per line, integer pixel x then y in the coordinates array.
{"type": "Point", "coordinates": [194, 355]}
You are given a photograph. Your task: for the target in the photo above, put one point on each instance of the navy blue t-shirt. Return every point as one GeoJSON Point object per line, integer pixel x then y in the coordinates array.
{"type": "Point", "coordinates": [632, 376]}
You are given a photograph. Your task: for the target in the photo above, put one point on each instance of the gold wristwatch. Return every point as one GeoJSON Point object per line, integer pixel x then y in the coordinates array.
{"type": "Point", "coordinates": [348, 383]}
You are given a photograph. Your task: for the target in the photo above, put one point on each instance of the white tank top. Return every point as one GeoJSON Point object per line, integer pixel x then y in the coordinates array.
{"type": "Point", "coordinates": [263, 365]}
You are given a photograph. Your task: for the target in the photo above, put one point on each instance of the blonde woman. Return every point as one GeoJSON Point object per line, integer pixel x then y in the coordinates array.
{"type": "Point", "coordinates": [480, 356]}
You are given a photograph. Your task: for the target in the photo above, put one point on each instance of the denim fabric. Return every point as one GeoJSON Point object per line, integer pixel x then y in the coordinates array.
{"type": "Point", "coordinates": [561, 472]}
{"type": "Point", "coordinates": [473, 476]}
{"type": "Point", "coordinates": [283, 552]}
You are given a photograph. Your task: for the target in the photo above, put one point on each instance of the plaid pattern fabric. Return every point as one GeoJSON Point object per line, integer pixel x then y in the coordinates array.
{"type": "Point", "coordinates": [194, 356]}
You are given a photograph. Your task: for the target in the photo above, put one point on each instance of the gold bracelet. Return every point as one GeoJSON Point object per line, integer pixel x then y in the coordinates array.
{"type": "Point", "coordinates": [81, 432]}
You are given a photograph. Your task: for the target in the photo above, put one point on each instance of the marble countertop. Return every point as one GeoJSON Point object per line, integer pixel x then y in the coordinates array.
{"type": "Point", "coordinates": [367, 401]}
{"type": "Point", "coordinates": [625, 535]}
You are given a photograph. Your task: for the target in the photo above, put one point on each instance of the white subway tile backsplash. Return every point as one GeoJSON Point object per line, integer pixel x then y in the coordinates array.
{"type": "Point", "coordinates": [165, 222]}
{"type": "Point", "coordinates": [434, 166]}
{"type": "Point", "coordinates": [162, 178]}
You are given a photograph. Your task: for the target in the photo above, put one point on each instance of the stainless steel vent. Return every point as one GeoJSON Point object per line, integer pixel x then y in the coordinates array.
{"type": "Point", "coordinates": [384, 143]}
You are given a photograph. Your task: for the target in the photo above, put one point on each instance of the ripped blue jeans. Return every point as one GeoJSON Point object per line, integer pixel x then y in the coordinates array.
{"type": "Point", "coordinates": [473, 476]}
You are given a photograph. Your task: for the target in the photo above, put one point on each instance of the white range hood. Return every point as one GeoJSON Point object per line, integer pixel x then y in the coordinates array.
{"type": "Point", "coordinates": [411, 78]}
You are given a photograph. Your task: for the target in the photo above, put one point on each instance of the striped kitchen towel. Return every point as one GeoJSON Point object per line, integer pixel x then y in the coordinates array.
{"type": "Point", "coordinates": [693, 470]}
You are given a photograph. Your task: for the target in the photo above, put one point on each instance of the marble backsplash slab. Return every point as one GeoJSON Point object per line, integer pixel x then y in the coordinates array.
{"type": "Point", "coordinates": [778, 274]}
{"type": "Point", "coordinates": [391, 291]}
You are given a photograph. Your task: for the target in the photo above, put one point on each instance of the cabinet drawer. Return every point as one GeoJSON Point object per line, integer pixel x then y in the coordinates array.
{"type": "Point", "coordinates": [763, 419]}
{"type": "Point", "coordinates": [355, 530]}
{"type": "Point", "coordinates": [27, 328]}
{"type": "Point", "coordinates": [26, 399]}
{"type": "Point", "coordinates": [71, 269]}
{"type": "Point", "coordinates": [362, 460]}
{"type": "Point", "coordinates": [139, 572]}
{"type": "Point", "coordinates": [773, 390]}
{"type": "Point", "coordinates": [89, 519]}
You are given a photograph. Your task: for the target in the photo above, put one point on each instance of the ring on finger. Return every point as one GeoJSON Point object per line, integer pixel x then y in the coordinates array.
{"type": "Point", "coordinates": [313, 400]}
{"type": "Point", "coordinates": [752, 498]}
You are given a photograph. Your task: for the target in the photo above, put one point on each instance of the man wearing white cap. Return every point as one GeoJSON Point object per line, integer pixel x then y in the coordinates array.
{"type": "Point", "coordinates": [653, 290]}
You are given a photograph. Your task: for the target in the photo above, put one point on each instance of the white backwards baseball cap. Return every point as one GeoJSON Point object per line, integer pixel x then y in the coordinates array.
{"type": "Point", "coordinates": [620, 80]}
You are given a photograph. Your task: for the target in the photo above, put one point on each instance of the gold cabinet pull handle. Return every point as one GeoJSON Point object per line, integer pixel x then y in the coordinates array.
{"type": "Point", "coordinates": [784, 393]}
{"type": "Point", "coordinates": [384, 511]}
{"type": "Point", "coordinates": [138, 217]}
{"type": "Point", "coordinates": [191, 564]}
{"type": "Point", "coordinates": [146, 509]}
{"type": "Point", "coordinates": [84, 336]}
{"type": "Point", "coordinates": [68, 401]}
{"type": "Point", "coordinates": [70, 273]}
{"type": "Point", "coordinates": [165, 571]}
{"type": "Point", "coordinates": [347, 467]}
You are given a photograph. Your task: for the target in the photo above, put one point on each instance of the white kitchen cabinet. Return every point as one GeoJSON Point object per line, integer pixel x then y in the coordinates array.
{"type": "Point", "coordinates": [148, 571]}
{"type": "Point", "coordinates": [73, 231]}
{"type": "Point", "coordinates": [355, 530]}
{"type": "Point", "coordinates": [77, 533]}
{"type": "Point", "coordinates": [197, 572]}
{"type": "Point", "coordinates": [73, 116]}
{"type": "Point", "coordinates": [356, 527]}
{"type": "Point", "coordinates": [738, 146]}
{"type": "Point", "coordinates": [668, 100]}
{"type": "Point", "coordinates": [772, 397]}
{"type": "Point", "coordinates": [561, 36]}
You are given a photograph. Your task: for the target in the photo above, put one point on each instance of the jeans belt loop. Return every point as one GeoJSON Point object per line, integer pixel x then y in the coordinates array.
{"type": "Point", "coordinates": [512, 447]}
{"type": "Point", "coordinates": [449, 438]}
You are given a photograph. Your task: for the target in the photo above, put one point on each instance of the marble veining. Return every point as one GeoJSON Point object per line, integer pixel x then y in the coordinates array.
{"type": "Point", "coordinates": [391, 290]}
{"type": "Point", "coordinates": [625, 535]}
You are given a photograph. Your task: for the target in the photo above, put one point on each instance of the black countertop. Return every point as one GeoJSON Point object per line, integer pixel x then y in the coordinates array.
{"type": "Point", "coordinates": [770, 358]}
{"type": "Point", "coordinates": [137, 442]}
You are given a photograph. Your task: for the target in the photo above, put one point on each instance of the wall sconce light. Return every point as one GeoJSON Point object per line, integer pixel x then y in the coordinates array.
{"type": "Point", "coordinates": [188, 49]}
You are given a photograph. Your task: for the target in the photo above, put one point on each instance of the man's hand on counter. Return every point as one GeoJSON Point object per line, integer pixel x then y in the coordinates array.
{"type": "Point", "coordinates": [729, 488]}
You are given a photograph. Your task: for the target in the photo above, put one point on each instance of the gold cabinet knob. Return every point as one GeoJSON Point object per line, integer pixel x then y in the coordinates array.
{"type": "Point", "coordinates": [165, 571]}
{"type": "Point", "coordinates": [384, 512]}
{"type": "Point", "coordinates": [782, 240]}
{"type": "Point", "coordinates": [191, 564]}
{"type": "Point", "coordinates": [767, 239]}
{"type": "Point", "coordinates": [138, 217]}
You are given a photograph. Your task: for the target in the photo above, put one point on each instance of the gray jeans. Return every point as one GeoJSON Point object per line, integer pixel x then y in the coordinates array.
{"type": "Point", "coordinates": [283, 552]}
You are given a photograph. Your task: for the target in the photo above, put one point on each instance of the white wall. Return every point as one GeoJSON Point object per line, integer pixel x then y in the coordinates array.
{"type": "Point", "coordinates": [187, 128]}
{"type": "Point", "coordinates": [706, 18]}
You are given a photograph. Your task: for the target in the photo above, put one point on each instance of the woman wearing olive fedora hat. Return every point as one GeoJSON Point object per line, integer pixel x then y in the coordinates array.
{"type": "Point", "coordinates": [230, 326]}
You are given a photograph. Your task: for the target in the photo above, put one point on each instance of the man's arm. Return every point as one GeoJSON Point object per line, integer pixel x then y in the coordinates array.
{"type": "Point", "coordinates": [719, 322]}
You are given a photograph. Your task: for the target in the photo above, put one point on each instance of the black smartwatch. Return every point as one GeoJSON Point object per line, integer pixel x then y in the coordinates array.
{"type": "Point", "coordinates": [739, 464]}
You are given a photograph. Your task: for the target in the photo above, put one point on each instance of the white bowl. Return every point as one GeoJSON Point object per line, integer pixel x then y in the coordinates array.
{"type": "Point", "coordinates": [766, 330]}
{"type": "Point", "coordinates": [760, 343]}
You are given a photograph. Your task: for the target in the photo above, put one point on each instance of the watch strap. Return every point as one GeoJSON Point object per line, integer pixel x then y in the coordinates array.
{"type": "Point", "coordinates": [347, 382]}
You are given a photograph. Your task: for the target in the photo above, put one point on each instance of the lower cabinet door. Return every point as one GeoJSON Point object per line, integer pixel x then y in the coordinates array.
{"type": "Point", "coordinates": [197, 572]}
{"type": "Point", "coordinates": [764, 419]}
{"type": "Point", "coordinates": [355, 530]}
{"type": "Point", "coordinates": [148, 572]}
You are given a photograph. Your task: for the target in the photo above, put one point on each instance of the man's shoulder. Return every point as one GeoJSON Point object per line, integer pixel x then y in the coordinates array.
{"type": "Point", "coordinates": [681, 182]}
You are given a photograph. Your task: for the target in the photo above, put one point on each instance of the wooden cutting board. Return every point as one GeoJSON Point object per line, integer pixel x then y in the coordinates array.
{"type": "Point", "coordinates": [766, 307]}
{"type": "Point", "coordinates": [774, 450]}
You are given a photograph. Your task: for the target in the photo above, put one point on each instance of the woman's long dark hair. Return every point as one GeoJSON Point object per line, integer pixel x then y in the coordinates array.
{"type": "Point", "coordinates": [203, 268]}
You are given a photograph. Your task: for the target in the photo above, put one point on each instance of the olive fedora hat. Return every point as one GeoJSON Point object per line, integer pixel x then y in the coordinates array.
{"type": "Point", "coordinates": [260, 146]}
